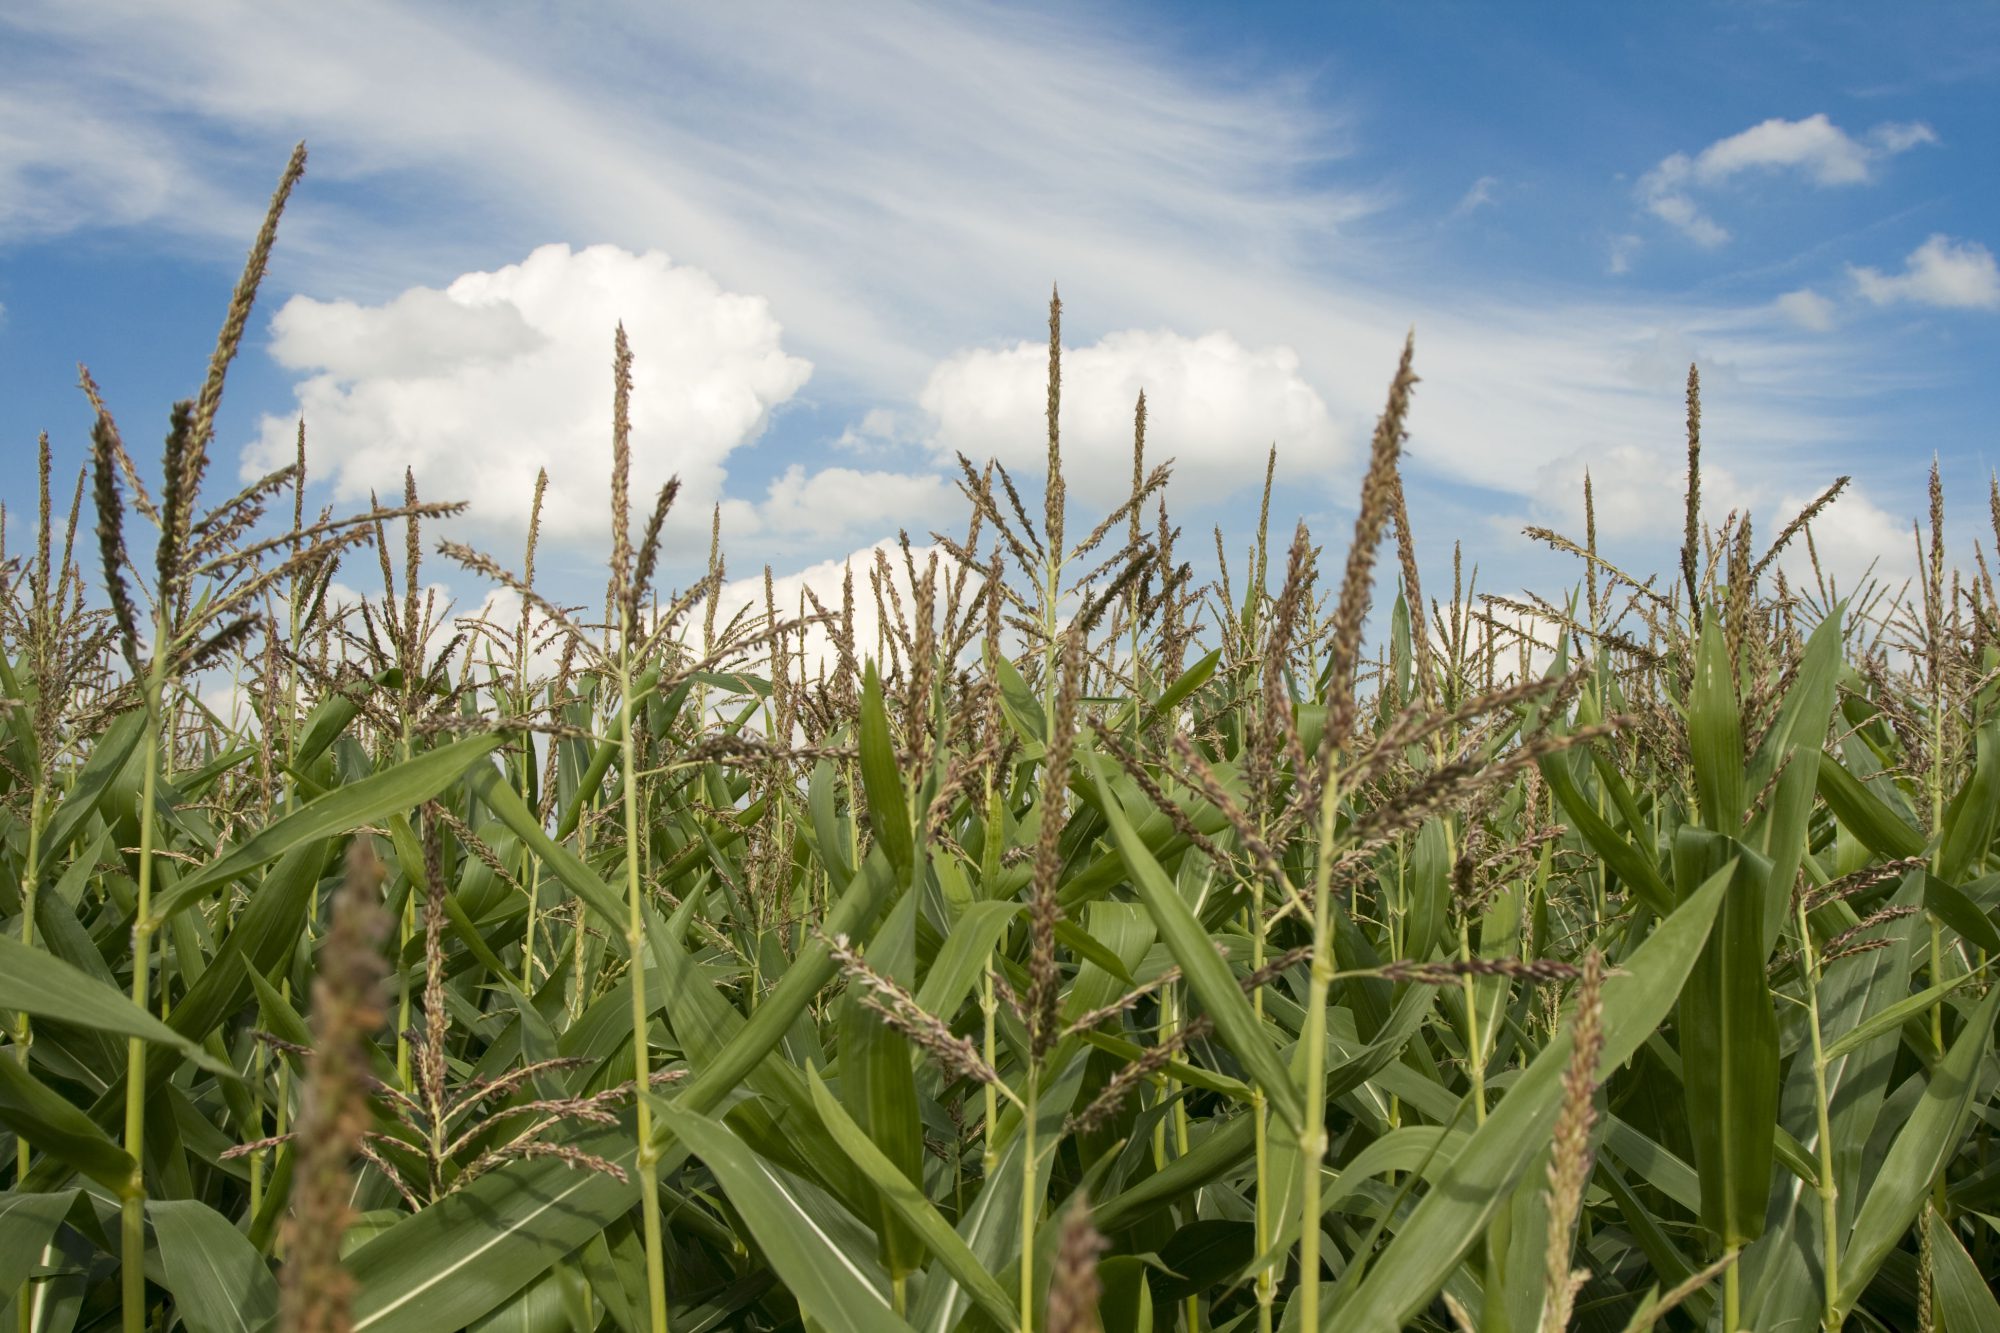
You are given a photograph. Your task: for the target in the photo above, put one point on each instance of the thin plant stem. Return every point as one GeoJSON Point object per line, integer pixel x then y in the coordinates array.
{"type": "Point", "coordinates": [132, 1199]}
{"type": "Point", "coordinates": [635, 939]}
{"type": "Point", "coordinates": [1829, 1194]}
{"type": "Point", "coordinates": [1030, 1203]}
{"type": "Point", "coordinates": [24, 1033]}
{"type": "Point", "coordinates": [1312, 1130]}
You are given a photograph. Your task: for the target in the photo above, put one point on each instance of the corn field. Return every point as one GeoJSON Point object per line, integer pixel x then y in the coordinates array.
{"type": "Point", "coordinates": [1027, 938]}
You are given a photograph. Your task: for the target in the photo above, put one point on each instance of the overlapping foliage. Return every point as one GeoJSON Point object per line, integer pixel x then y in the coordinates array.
{"type": "Point", "coordinates": [1090, 948]}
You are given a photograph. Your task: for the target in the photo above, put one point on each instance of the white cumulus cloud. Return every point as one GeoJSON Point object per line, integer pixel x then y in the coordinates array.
{"type": "Point", "coordinates": [1814, 148]}
{"type": "Point", "coordinates": [479, 385]}
{"type": "Point", "coordinates": [801, 505]}
{"type": "Point", "coordinates": [1212, 405]}
{"type": "Point", "coordinates": [1854, 539]}
{"type": "Point", "coordinates": [1636, 490]}
{"type": "Point", "coordinates": [1940, 272]}
{"type": "Point", "coordinates": [744, 597]}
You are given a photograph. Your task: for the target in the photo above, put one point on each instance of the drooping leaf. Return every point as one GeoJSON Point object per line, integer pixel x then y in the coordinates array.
{"type": "Point", "coordinates": [402, 786]}
{"type": "Point", "coordinates": [52, 1125]}
{"type": "Point", "coordinates": [39, 983]}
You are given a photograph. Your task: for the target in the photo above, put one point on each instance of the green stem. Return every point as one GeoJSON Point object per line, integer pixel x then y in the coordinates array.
{"type": "Point", "coordinates": [1029, 1203]}
{"type": "Point", "coordinates": [24, 1034]}
{"type": "Point", "coordinates": [1260, 1113]}
{"type": "Point", "coordinates": [635, 939]}
{"type": "Point", "coordinates": [1829, 1194]}
{"type": "Point", "coordinates": [132, 1199]}
{"type": "Point", "coordinates": [1312, 1130]}
{"type": "Point", "coordinates": [991, 1157]}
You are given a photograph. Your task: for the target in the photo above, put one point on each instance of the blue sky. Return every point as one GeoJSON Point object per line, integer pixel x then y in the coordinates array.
{"type": "Point", "coordinates": [831, 232]}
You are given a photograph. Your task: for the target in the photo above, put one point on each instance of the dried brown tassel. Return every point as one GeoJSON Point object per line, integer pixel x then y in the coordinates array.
{"type": "Point", "coordinates": [347, 1009]}
{"type": "Point", "coordinates": [174, 502]}
{"type": "Point", "coordinates": [649, 548]}
{"type": "Point", "coordinates": [900, 1010]}
{"type": "Point", "coordinates": [1691, 539]}
{"type": "Point", "coordinates": [621, 470]}
{"type": "Point", "coordinates": [430, 1059]}
{"type": "Point", "coordinates": [1357, 581]}
{"type": "Point", "coordinates": [1044, 982]}
{"type": "Point", "coordinates": [111, 533]}
{"type": "Point", "coordinates": [1073, 1286]}
{"type": "Point", "coordinates": [1570, 1158]}
{"type": "Point", "coordinates": [1055, 493]}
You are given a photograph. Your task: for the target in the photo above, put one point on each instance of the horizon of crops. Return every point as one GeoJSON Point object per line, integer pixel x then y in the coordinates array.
{"type": "Point", "coordinates": [1095, 949]}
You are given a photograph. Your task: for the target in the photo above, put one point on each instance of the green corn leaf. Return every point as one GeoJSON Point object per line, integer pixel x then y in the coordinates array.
{"type": "Point", "coordinates": [1928, 1139]}
{"type": "Point", "coordinates": [878, 1085]}
{"type": "Point", "coordinates": [964, 956]}
{"type": "Point", "coordinates": [1715, 732]}
{"type": "Point", "coordinates": [1455, 1210]}
{"type": "Point", "coordinates": [1729, 1045]}
{"type": "Point", "coordinates": [1956, 909]}
{"type": "Point", "coordinates": [397, 788]}
{"type": "Point", "coordinates": [791, 1225]}
{"type": "Point", "coordinates": [910, 1204]}
{"type": "Point", "coordinates": [1125, 1052]}
{"type": "Point", "coordinates": [108, 756]}
{"type": "Point", "coordinates": [40, 1115]}
{"type": "Point", "coordinates": [1864, 815]}
{"type": "Point", "coordinates": [456, 1260]}
{"type": "Point", "coordinates": [1429, 891]}
{"type": "Point", "coordinates": [1794, 740]}
{"type": "Point", "coordinates": [1970, 817]}
{"type": "Point", "coordinates": [602, 757]}
{"type": "Point", "coordinates": [41, 984]}
{"type": "Point", "coordinates": [827, 835]}
{"type": "Point", "coordinates": [459, 1258]}
{"type": "Point", "coordinates": [546, 1305]}
{"type": "Point", "coordinates": [491, 787]}
{"type": "Point", "coordinates": [1207, 974]}
{"type": "Point", "coordinates": [27, 1224]}
{"type": "Point", "coordinates": [1632, 864]}
{"type": "Point", "coordinates": [1960, 1289]}
{"type": "Point", "coordinates": [882, 778]}
{"type": "Point", "coordinates": [1023, 709]}
{"type": "Point", "coordinates": [1893, 1017]}
{"type": "Point", "coordinates": [219, 1282]}
{"type": "Point", "coordinates": [1170, 698]}
{"type": "Point", "coordinates": [1085, 946]}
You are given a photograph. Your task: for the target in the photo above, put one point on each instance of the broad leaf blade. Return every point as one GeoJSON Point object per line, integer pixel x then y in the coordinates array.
{"type": "Point", "coordinates": [400, 787]}
{"type": "Point", "coordinates": [1729, 1047]}
{"type": "Point", "coordinates": [912, 1206]}
{"type": "Point", "coordinates": [1926, 1141]}
{"type": "Point", "coordinates": [843, 1295]}
{"type": "Point", "coordinates": [219, 1281]}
